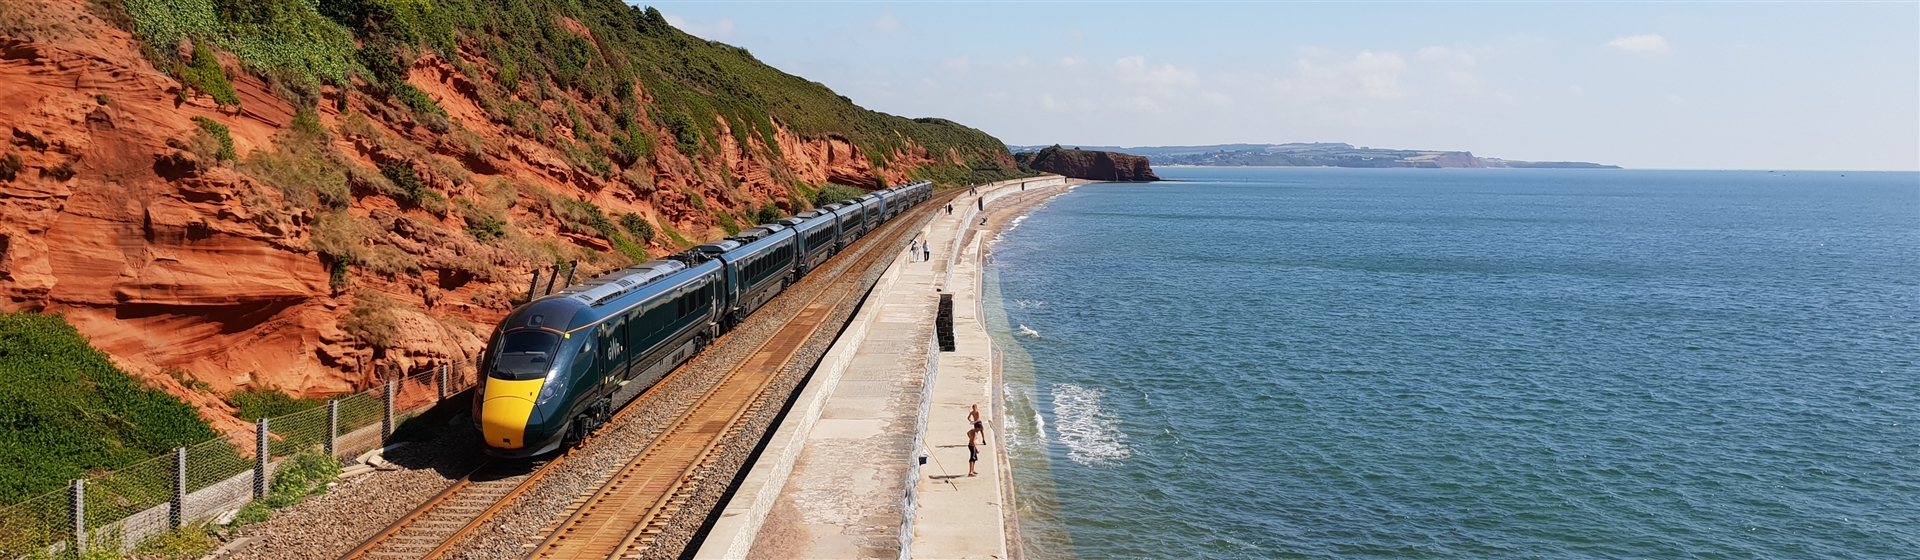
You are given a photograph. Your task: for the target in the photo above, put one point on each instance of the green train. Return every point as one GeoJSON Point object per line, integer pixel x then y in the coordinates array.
{"type": "Point", "coordinates": [558, 367]}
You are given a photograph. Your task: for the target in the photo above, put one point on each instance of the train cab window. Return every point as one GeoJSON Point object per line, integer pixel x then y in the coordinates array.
{"type": "Point", "coordinates": [525, 355]}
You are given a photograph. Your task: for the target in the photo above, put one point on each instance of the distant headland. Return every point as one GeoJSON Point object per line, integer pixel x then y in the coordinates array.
{"type": "Point", "coordinates": [1320, 154]}
{"type": "Point", "coordinates": [1087, 164]}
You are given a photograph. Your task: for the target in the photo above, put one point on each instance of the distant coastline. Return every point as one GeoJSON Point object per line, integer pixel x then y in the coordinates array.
{"type": "Point", "coordinates": [1322, 154]}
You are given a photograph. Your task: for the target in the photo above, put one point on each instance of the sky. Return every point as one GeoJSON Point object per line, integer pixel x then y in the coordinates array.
{"type": "Point", "coordinates": [1644, 85]}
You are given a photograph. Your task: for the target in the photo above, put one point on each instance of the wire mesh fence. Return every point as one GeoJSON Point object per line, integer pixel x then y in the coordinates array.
{"type": "Point", "coordinates": [148, 498]}
{"type": "Point", "coordinates": [295, 432]}
{"type": "Point", "coordinates": [125, 502]}
{"type": "Point", "coordinates": [40, 523]}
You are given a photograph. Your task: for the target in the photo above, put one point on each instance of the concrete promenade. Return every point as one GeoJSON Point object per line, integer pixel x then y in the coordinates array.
{"type": "Point", "coordinates": [840, 476]}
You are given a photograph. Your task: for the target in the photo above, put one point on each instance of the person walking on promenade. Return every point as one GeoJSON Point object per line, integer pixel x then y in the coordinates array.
{"type": "Point", "coordinates": [926, 252]}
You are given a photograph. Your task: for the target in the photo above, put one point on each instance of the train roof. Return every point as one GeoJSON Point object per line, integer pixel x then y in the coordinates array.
{"type": "Point", "coordinates": [587, 302]}
{"type": "Point", "coordinates": [599, 290]}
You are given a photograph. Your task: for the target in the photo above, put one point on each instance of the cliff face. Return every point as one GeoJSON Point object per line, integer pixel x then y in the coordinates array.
{"type": "Point", "coordinates": [354, 230]}
{"type": "Point", "coordinates": [1088, 164]}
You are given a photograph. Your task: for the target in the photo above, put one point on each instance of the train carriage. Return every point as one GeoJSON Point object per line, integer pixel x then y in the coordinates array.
{"type": "Point", "coordinates": [853, 220]}
{"type": "Point", "coordinates": [876, 210]}
{"type": "Point", "coordinates": [890, 203]}
{"type": "Point", "coordinates": [759, 264]}
{"type": "Point", "coordinates": [816, 232]}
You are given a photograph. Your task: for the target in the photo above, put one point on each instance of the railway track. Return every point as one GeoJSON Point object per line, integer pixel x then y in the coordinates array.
{"type": "Point", "coordinates": [429, 530]}
{"type": "Point", "coordinates": [625, 515]}
{"type": "Point", "coordinates": [623, 518]}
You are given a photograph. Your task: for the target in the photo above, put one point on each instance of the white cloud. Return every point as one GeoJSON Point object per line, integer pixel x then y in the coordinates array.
{"type": "Point", "coordinates": [1369, 75]}
{"type": "Point", "coordinates": [1651, 43]}
{"type": "Point", "coordinates": [1447, 55]}
{"type": "Point", "coordinates": [958, 65]}
{"type": "Point", "coordinates": [1136, 70]}
{"type": "Point", "coordinates": [887, 24]}
{"type": "Point", "coordinates": [720, 30]}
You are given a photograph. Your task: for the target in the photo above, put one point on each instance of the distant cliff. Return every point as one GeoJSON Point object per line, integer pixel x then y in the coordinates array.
{"type": "Point", "coordinates": [1088, 164]}
{"type": "Point", "coordinates": [1324, 154]}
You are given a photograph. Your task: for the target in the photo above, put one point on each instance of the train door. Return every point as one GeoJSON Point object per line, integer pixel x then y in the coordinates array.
{"type": "Point", "coordinates": [612, 346]}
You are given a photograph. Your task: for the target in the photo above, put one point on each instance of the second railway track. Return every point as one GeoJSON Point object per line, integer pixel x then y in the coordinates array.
{"type": "Point", "coordinates": [626, 515]}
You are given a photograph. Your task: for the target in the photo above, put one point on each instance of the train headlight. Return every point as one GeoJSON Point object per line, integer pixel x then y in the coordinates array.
{"type": "Point", "coordinates": [556, 384]}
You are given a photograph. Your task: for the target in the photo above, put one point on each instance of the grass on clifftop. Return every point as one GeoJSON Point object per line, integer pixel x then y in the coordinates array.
{"type": "Point", "coordinates": [67, 411]}
{"type": "Point", "coordinates": [695, 85]}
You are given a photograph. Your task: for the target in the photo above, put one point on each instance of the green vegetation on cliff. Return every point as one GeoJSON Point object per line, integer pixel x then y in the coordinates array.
{"type": "Point", "coordinates": [65, 410]}
{"type": "Point", "coordinates": [597, 50]}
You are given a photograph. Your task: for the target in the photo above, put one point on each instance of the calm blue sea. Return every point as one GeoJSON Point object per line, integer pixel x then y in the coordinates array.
{"type": "Point", "coordinates": [1332, 363]}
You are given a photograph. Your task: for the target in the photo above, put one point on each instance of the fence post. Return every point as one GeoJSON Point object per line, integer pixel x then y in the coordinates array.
{"type": "Point", "coordinates": [79, 490]}
{"type": "Point", "coordinates": [333, 426]}
{"type": "Point", "coordinates": [386, 423]}
{"type": "Point", "coordinates": [443, 380]}
{"type": "Point", "coordinates": [260, 459]}
{"type": "Point", "coordinates": [178, 513]}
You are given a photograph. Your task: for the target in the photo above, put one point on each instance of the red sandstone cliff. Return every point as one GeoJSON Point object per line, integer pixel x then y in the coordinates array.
{"type": "Point", "coordinates": [1089, 164]}
{"type": "Point", "coordinates": [170, 259]}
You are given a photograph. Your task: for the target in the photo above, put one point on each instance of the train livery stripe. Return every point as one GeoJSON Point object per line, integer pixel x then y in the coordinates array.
{"type": "Point", "coordinates": [504, 415]}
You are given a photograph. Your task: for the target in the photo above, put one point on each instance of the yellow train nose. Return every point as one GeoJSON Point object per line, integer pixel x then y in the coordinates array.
{"type": "Point", "coordinates": [508, 408]}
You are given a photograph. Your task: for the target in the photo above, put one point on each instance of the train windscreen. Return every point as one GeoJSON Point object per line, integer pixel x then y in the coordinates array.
{"type": "Point", "coordinates": [525, 355]}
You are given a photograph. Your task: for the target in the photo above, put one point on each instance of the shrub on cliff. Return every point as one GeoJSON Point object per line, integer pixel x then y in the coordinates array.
{"type": "Point", "coordinates": [69, 411]}
{"type": "Point", "coordinates": [285, 37]}
{"type": "Point", "coordinates": [11, 166]}
{"type": "Point", "coordinates": [637, 226]}
{"type": "Point", "coordinates": [221, 136]}
{"type": "Point", "coordinates": [305, 169]}
{"type": "Point", "coordinates": [413, 189]}
{"type": "Point", "coordinates": [832, 193]}
{"type": "Point", "coordinates": [204, 74]}
{"type": "Point", "coordinates": [371, 320]}
{"type": "Point", "coordinates": [767, 213]}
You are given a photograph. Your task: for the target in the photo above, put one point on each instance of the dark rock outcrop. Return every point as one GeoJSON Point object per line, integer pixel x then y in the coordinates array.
{"type": "Point", "coordinates": [1088, 164]}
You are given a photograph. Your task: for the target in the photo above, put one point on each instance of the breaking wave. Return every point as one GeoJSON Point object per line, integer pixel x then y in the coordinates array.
{"type": "Point", "coordinates": [1091, 434]}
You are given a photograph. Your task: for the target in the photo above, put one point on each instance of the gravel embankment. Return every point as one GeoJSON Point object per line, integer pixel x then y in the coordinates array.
{"type": "Point", "coordinates": [325, 526]}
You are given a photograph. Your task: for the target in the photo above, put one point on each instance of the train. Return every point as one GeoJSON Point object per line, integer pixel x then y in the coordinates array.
{"type": "Point", "coordinates": [558, 367]}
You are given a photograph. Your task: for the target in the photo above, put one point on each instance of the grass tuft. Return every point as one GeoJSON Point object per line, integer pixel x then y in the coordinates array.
{"type": "Point", "coordinates": [221, 135]}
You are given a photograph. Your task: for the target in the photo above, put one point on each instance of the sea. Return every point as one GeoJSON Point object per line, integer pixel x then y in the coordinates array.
{"type": "Point", "coordinates": [1498, 363]}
